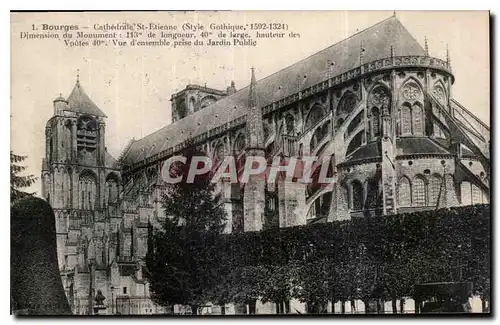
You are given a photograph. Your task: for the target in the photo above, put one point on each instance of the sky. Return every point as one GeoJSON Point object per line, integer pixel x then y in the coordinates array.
{"type": "Point", "coordinates": [132, 86]}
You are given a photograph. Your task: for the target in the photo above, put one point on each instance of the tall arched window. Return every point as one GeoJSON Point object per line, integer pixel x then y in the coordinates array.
{"type": "Point", "coordinates": [181, 109]}
{"type": "Point", "coordinates": [435, 183]}
{"type": "Point", "coordinates": [68, 137]}
{"type": "Point", "coordinates": [63, 189]}
{"type": "Point", "coordinates": [88, 191]}
{"type": "Point", "coordinates": [404, 192]}
{"type": "Point", "coordinates": [239, 143]}
{"type": "Point", "coordinates": [418, 122]}
{"type": "Point", "coordinates": [112, 188]}
{"type": "Point", "coordinates": [412, 115]}
{"type": "Point", "coordinates": [376, 121]}
{"type": "Point", "coordinates": [379, 99]}
{"type": "Point", "coordinates": [67, 189]}
{"type": "Point", "coordinates": [289, 124]}
{"type": "Point", "coordinates": [192, 104]}
{"type": "Point", "coordinates": [357, 195]}
{"type": "Point", "coordinates": [405, 119]}
{"type": "Point", "coordinates": [418, 191]}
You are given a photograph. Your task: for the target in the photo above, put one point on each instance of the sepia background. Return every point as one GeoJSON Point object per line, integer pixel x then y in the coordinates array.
{"type": "Point", "coordinates": [133, 85]}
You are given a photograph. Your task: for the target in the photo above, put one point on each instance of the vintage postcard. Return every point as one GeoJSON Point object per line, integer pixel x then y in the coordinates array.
{"type": "Point", "coordinates": [250, 163]}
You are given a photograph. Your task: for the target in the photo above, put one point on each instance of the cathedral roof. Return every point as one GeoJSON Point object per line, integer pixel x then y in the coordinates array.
{"type": "Point", "coordinates": [370, 150]}
{"type": "Point", "coordinates": [80, 102]}
{"type": "Point", "coordinates": [419, 146]}
{"type": "Point", "coordinates": [376, 41]}
{"type": "Point", "coordinates": [110, 161]}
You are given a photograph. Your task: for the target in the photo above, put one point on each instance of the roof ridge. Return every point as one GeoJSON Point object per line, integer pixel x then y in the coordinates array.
{"type": "Point", "coordinates": [278, 71]}
{"type": "Point", "coordinates": [319, 51]}
{"type": "Point", "coordinates": [381, 35]}
{"type": "Point", "coordinates": [126, 149]}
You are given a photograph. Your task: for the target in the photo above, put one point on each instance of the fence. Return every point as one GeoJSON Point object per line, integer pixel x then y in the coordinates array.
{"type": "Point", "coordinates": [137, 306]}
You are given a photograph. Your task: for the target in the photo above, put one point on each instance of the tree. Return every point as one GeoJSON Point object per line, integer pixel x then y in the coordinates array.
{"type": "Point", "coordinates": [247, 283]}
{"type": "Point", "coordinates": [313, 285]}
{"type": "Point", "coordinates": [278, 286]}
{"type": "Point", "coordinates": [340, 287]}
{"type": "Point", "coordinates": [183, 262]}
{"type": "Point", "coordinates": [17, 181]}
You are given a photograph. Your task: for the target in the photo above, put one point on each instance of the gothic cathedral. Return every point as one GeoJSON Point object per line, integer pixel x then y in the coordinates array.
{"type": "Point", "coordinates": [376, 106]}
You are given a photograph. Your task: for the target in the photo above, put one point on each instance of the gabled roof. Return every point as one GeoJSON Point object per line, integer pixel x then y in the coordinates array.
{"type": "Point", "coordinates": [376, 41]}
{"type": "Point", "coordinates": [80, 102]}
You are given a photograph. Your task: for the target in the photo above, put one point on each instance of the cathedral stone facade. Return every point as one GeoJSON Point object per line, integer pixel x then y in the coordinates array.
{"type": "Point", "coordinates": [376, 106]}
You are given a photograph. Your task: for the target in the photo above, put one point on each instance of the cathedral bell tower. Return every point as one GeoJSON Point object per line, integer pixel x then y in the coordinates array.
{"type": "Point", "coordinates": [74, 138]}
{"type": "Point", "coordinates": [74, 170]}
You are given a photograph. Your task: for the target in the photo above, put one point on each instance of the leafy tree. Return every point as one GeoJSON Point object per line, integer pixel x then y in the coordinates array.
{"type": "Point", "coordinates": [223, 291]}
{"type": "Point", "coordinates": [247, 285]}
{"type": "Point", "coordinates": [313, 285]}
{"type": "Point", "coordinates": [278, 285]}
{"type": "Point", "coordinates": [183, 262]}
{"type": "Point", "coordinates": [339, 284]}
{"type": "Point", "coordinates": [18, 181]}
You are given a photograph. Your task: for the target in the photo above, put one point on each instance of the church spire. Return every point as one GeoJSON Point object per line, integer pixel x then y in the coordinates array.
{"type": "Point", "coordinates": [252, 94]}
{"type": "Point", "coordinates": [426, 47]}
{"type": "Point", "coordinates": [77, 76]}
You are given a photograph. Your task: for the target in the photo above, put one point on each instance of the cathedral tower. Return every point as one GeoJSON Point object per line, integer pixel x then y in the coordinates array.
{"type": "Point", "coordinates": [81, 181]}
{"type": "Point", "coordinates": [74, 153]}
